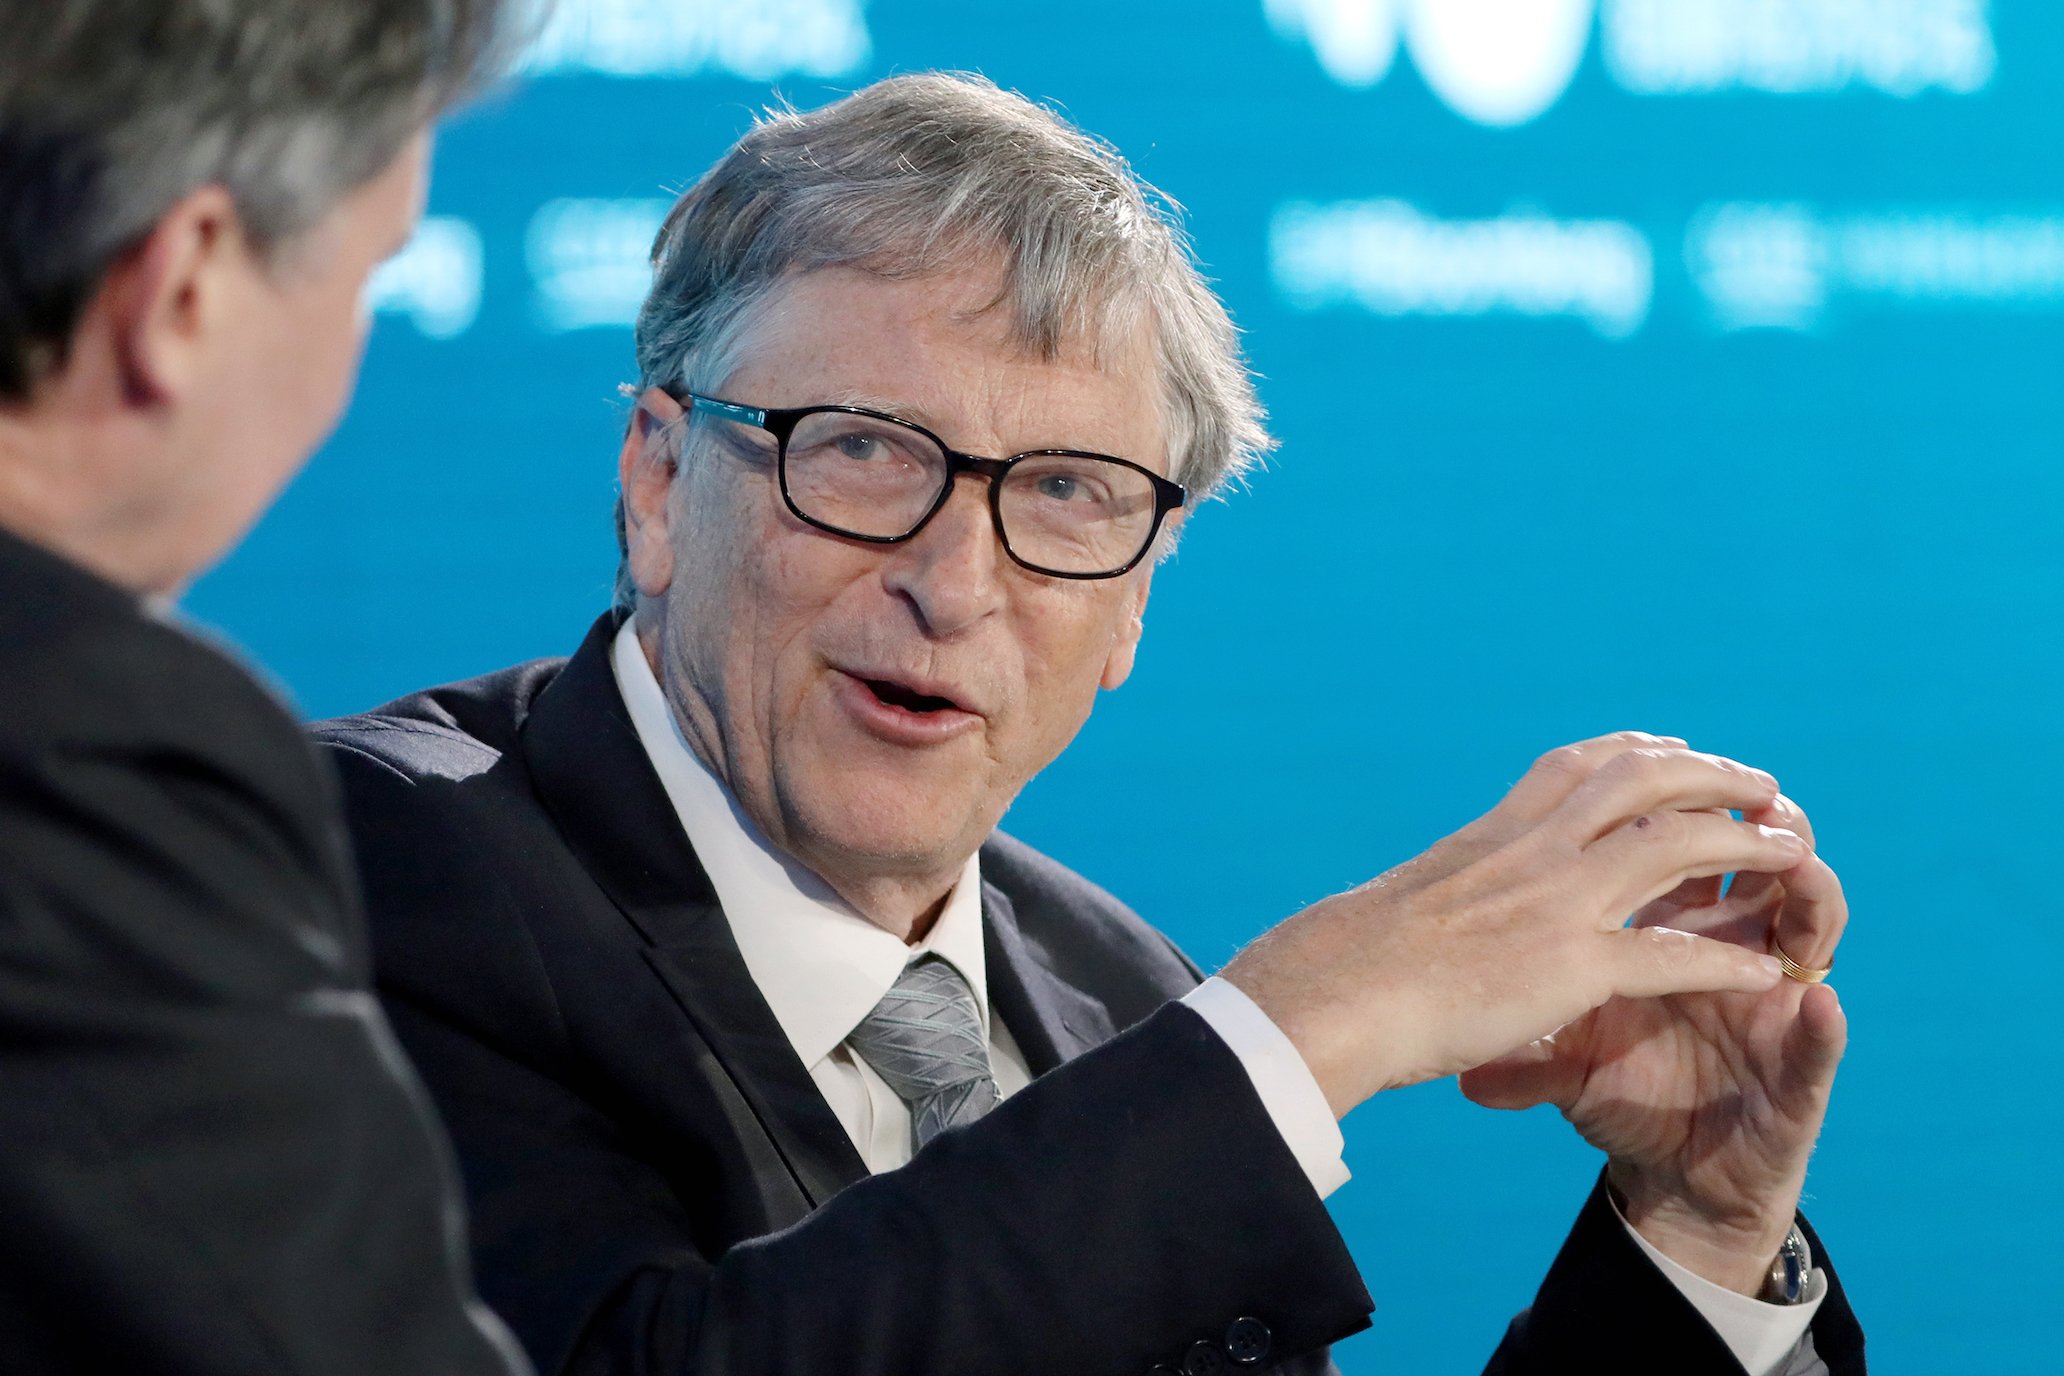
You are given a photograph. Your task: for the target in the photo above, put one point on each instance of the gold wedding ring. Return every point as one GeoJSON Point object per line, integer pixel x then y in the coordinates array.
{"type": "Point", "coordinates": [1794, 970]}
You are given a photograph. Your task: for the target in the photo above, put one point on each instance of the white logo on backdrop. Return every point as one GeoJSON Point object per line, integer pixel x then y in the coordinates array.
{"type": "Point", "coordinates": [1503, 62]}
{"type": "Point", "coordinates": [1354, 40]}
{"type": "Point", "coordinates": [1389, 258]}
{"type": "Point", "coordinates": [757, 40]}
{"type": "Point", "coordinates": [1759, 265]}
{"type": "Point", "coordinates": [590, 261]}
{"type": "Point", "coordinates": [1497, 62]}
{"type": "Point", "coordinates": [435, 280]}
{"type": "Point", "coordinates": [1782, 266]}
{"type": "Point", "coordinates": [1792, 47]}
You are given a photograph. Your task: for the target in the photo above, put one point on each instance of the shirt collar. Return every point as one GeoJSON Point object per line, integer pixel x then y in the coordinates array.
{"type": "Point", "coordinates": [821, 966]}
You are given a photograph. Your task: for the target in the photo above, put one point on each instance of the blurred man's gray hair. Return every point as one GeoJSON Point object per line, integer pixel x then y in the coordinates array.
{"type": "Point", "coordinates": [919, 173]}
{"type": "Point", "coordinates": [111, 111]}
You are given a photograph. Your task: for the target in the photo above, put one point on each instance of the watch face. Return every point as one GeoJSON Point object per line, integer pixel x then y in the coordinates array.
{"type": "Point", "coordinates": [1791, 1270]}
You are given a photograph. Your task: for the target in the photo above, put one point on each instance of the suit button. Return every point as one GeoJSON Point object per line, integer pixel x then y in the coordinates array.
{"type": "Point", "coordinates": [1205, 1359]}
{"type": "Point", "coordinates": [1248, 1341]}
{"type": "Point", "coordinates": [1162, 1369]}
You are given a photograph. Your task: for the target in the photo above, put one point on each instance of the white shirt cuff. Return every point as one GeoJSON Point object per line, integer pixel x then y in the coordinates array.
{"type": "Point", "coordinates": [1761, 1336]}
{"type": "Point", "coordinates": [1292, 1098]}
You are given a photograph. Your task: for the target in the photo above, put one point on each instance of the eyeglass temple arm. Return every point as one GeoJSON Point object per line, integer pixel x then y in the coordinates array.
{"type": "Point", "coordinates": [745, 415]}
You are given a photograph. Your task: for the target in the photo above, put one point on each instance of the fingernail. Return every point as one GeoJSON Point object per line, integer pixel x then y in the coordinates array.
{"type": "Point", "coordinates": [1768, 780]}
{"type": "Point", "coordinates": [1770, 968]}
{"type": "Point", "coordinates": [1784, 836]}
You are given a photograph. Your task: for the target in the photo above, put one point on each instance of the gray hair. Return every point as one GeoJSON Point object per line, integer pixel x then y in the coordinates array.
{"type": "Point", "coordinates": [111, 111]}
{"type": "Point", "coordinates": [915, 174]}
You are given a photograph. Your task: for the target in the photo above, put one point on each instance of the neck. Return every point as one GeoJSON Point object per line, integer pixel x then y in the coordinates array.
{"type": "Point", "coordinates": [66, 484]}
{"type": "Point", "coordinates": [100, 546]}
{"type": "Point", "coordinates": [906, 909]}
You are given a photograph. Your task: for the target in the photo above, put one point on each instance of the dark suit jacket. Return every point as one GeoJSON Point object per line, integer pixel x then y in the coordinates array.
{"type": "Point", "coordinates": [212, 1157]}
{"type": "Point", "coordinates": [658, 1187]}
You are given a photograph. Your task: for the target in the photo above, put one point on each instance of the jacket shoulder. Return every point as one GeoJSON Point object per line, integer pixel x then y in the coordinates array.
{"type": "Point", "coordinates": [455, 851]}
{"type": "Point", "coordinates": [453, 731]}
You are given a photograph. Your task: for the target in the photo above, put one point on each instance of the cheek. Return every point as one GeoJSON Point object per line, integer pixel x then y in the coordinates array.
{"type": "Point", "coordinates": [749, 592]}
{"type": "Point", "coordinates": [312, 359]}
{"type": "Point", "coordinates": [1066, 644]}
{"type": "Point", "coordinates": [339, 351]}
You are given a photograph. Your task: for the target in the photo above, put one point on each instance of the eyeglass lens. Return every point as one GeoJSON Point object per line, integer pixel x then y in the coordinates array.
{"type": "Point", "coordinates": [867, 476]}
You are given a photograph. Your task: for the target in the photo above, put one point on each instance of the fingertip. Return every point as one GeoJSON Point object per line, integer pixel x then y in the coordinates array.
{"type": "Point", "coordinates": [1815, 878]}
{"type": "Point", "coordinates": [1788, 840]}
{"type": "Point", "coordinates": [1778, 812]}
{"type": "Point", "coordinates": [1822, 1012]}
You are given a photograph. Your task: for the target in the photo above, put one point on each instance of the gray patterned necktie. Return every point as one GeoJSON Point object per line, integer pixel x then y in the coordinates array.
{"type": "Point", "coordinates": [925, 1040]}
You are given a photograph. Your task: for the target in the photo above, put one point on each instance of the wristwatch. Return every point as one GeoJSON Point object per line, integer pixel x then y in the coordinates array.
{"type": "Point", "coordinates": [1790, 1272]}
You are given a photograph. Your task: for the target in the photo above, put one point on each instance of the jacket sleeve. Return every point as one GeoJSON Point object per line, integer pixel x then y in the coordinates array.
{"type": "Point", "coordinates": [1605, 1308]}
{"type": "Point", "coordinates": [215, 1158]}
{"type": "Point", "coordinates": [1120, 1210]}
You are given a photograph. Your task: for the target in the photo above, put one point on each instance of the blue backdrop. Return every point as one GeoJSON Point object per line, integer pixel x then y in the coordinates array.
{"type": "Point", "coordinates": [1688, 365]}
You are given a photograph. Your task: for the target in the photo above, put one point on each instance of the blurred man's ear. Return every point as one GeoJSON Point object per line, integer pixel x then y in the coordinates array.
{"type": "Point", "coordinates": [157, 313]}
{"type": "Point", "coordinates": [645, 475]}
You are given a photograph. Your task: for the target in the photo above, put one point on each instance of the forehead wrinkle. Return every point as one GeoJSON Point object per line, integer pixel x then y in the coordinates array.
{"type": "Point", "coordinates": [902, 409]}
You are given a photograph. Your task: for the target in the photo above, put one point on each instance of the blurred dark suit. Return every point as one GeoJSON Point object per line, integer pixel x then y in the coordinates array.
{"type": "Point", "coordinates": [213, 1158]}
{"type": "Point", "coordinates": [657, 1185]}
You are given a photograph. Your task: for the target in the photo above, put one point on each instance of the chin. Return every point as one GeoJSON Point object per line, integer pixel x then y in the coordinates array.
{"type": "Point", "coordinates": [892, 826]}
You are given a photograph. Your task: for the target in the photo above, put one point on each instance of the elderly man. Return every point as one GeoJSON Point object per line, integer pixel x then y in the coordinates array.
{"type": "Point", "coordinates": [765, 1051]}
{"type": "Point", "coordinates": [212, 1159]}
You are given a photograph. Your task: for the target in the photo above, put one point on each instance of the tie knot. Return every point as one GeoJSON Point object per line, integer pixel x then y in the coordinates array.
{"type": "Point", "coordinates": [925, 1040]}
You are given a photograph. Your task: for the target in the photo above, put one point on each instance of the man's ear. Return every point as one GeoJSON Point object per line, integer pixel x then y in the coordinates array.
{"type": "Point", "coordinates": [645, 476]}
{"type": "Point", "coordinates": [1125, 641]}
{"type": "Point", "coordinates": [162, 306]}
{"type": "Point", "coordinates": [1125, 644]}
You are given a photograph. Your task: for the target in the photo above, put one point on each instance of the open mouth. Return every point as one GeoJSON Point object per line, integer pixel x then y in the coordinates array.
{"type": "Point", "coordinates": [896, 695]}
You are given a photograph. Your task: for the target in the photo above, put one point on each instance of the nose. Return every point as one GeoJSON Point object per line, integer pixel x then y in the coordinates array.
{"type": "Point", "coordinates": [951, 572]}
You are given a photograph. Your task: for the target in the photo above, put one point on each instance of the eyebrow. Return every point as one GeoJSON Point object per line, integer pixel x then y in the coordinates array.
{"type": "Point", "coordinates": [871, 401]}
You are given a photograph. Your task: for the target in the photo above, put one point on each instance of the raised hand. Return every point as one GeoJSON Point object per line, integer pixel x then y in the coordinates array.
{"type": "Point", "coordinates": [1515, 925]}
{"type": "Point", "coordinates": [1707, 1105]}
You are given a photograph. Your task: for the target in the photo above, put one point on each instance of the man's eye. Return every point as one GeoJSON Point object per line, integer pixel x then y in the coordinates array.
{"type": "Point", "coordinates": [1076, 487]}
{"type": "Point", "coordinates": [861, 446]}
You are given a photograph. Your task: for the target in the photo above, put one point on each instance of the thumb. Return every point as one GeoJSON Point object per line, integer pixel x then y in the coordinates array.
{"type": "Point", "coordinates": [1648, 962]}
{"type": "Point", "coordinates": [1543, 1072]}
{"type": "Point", "coordinates": [1813, 1047]}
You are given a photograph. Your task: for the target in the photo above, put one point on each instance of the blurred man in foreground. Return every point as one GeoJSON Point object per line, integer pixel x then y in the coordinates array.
{"type": "Point", "coordinates": [214, 1158]}
{"type": "Point", "coordinates": [765, 1051]}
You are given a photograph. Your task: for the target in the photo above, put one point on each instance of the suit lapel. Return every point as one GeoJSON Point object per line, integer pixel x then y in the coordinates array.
{"type": "Point", "coordinates": [594, 777]}
{"type": "Point", "coordinates": [1052, 1021]}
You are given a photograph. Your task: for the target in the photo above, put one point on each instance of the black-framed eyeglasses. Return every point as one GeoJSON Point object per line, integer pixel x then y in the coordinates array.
{"type": "Point", "coordinates": [871, 476]}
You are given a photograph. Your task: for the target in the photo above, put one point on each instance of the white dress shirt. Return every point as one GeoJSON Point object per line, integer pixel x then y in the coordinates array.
{"type": "Point", "coordinates": [822, 968]}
